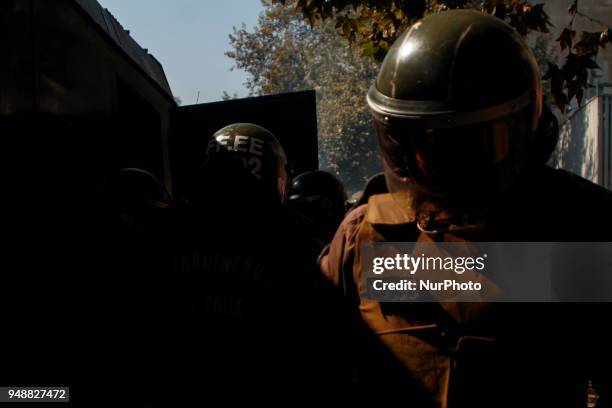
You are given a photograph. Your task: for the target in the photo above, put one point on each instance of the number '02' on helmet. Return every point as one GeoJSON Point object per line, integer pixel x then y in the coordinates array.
{"type": "Point", "coordinates": [456, 105]}
{"type": "Point", "coordinates": [258, 149]}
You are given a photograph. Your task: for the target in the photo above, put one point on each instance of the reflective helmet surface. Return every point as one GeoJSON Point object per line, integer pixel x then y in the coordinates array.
{"type": "Point", "coordinates": [133, 189]}
{"type": "Point", "coordinates": [456, 105]}
{"type": "Point", "coordinates": [318, 189]}
{"type": "Point", "coordinates": [321, 197]}
{"type": "Point", "coordinates": [258, 149]}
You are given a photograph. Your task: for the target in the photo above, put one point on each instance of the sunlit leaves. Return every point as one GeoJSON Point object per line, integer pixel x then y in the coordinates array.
{"type": "Point", "coordinates": [373, 25]}
{"type": "Point", "coordinates": [571, 79]}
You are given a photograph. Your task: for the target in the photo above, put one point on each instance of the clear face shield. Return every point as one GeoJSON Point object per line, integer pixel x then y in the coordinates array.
{"type": "Point", "coordinates": [450, 170]}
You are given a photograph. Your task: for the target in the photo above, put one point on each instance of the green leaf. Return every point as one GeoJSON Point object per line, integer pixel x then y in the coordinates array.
{"type": "Point", "coordinates": [588, 44]}
{"type": "Point", "coordinates": [566, 38]}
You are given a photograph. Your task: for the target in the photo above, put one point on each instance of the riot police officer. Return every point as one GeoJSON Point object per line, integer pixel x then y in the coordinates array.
{"type": "Point", "coordinates": [132, 197]}
{"type": "Point", "coordinates": [321, 197]}
{"type": "Point", "coordinates": [247, 274]}
{"type": "Point", "coordinates": [458, 111]}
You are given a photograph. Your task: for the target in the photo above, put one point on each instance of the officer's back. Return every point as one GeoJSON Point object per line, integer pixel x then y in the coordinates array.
{"type": "Point", "coordinates": [248, 288]}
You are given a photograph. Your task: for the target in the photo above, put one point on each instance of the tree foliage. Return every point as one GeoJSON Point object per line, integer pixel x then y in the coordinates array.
{"type": "Point", "coordinates": [374, 24]}
{"type": "Point", "coordinates": [283, 53]}
{"type": "Point", "coordinates": [302, 44]}
{"type": "Point", "coordinates": [571, 79]}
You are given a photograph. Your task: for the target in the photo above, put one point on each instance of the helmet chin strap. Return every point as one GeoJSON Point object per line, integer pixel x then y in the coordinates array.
{"type": "Point", "coordinates": [435, 214]}
{"type": "Point", "coordinates": [436, 217]}
{"type": "Point", "coordinates": [431, 225]}
{"type": "Point", "coordinates": [438, 213]}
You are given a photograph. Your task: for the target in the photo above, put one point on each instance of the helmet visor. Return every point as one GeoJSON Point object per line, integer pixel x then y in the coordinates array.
{"type": "Point", "coordinates": [447, 162]}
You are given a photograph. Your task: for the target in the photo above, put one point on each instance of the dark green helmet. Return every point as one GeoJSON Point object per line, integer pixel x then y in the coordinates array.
{"type": "Point", "coordinates": [456, 104]}
{"type": "Point", "coordinates": [132, 190]}
{"type": "Point", "coordinates": [258, 149]}
{"type": "Point", "coordinates": [320, 187]}
{"type": "Point", "coordinates": [321, 197]}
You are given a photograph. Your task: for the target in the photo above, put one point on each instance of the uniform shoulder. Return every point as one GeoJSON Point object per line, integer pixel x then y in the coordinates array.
{"type": "Point", "coordinates": [356, 214]}
{"type": "Point", "coordinates": [375, 185]}
{"type": "Point", "coordinates": [568, 207]}
{"type": "Point", "coordinates": [347, 230]}
{"type": "Point", "coordinates": [350, 225]}
{"type": "Point", "coordinates": [334, 256]}
{"type": "Point", "coordinates": [297, 227]}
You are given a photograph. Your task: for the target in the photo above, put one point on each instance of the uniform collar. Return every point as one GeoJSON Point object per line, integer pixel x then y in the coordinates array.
{"type": "Point", "coordinates": [389, 209]}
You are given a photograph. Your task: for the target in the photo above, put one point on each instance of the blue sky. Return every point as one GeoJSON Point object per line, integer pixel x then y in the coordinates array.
{"type": "Point", "coordinates": [189, 38]}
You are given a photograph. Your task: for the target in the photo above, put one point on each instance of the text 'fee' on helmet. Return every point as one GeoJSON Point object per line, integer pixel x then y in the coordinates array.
{"type": "Point", "coordinates": [259, 151]}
